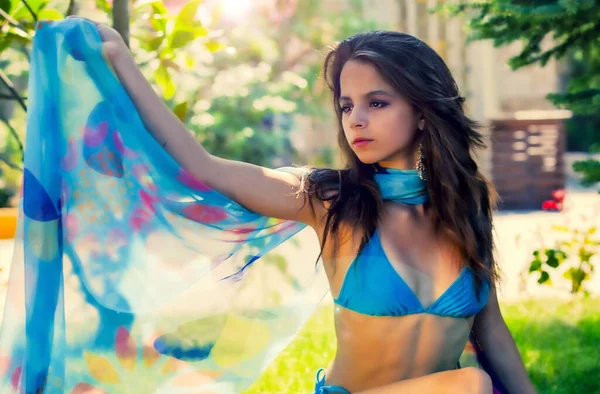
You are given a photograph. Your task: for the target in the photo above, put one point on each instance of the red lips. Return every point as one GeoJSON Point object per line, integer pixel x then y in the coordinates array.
{"type": "Point", "coordinates": [361, 141]}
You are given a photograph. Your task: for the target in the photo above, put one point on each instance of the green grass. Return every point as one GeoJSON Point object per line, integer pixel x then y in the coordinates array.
{"type": "Point", "coordinates": [293, 371]}
{"type": "Point", "coordinates": [558, 340]}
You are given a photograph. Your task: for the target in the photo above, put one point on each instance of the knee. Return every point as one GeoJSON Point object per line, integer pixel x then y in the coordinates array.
{"type": "Point", "coordinates": [477, 381]}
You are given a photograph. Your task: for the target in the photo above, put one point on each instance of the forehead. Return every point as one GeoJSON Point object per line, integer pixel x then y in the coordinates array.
{"type": "Point", "coordinates": [358, 78]}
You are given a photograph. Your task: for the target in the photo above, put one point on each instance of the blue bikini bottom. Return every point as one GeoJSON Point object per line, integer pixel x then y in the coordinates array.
{"type": "Point", "coordinates": [320, 387]}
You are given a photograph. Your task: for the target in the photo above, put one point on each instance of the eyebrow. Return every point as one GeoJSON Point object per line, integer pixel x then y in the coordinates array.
{"type": "Point", "coordinates": [370, 94]}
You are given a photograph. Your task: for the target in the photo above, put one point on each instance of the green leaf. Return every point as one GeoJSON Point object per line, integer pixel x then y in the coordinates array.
{"type": "Point", "coordinates": [187, 28]}
{"type": "Point", "coordinates": [214, 46]}
{"type": "Point", "coordinates": [568, 274]}
{"type": "Point", "coordinates": [180, 38]}
{"type": "Point", "coordinates": [152, 44]}
{"type": "Point", "coordinates": [158, 8]}
{"type": "Point", "coordinates": [159, 18]}
{"type": "Point", "coordinates": [189, 61]}
{"type": "Point", "coordinates": [567, 244]}
{"type": "Point", "coordinates": [544, 278]}
{"type": "Point", "coordinates": [5, 5]}
{"type": "Point", "coordinates": [535, 265]}
{"type": "Point", "coordinates": [163, 79]}
{"type": "Point", "coordinates": [183, 35]}
{"type": "Point", "coordinates": [576, 274]}
{"type": "Point", "coordinates": [585, 255]}
{"type": "Point", "coordinates": [560, 228]}
{"type": "Point", "coordinates": [181, 110]}
{"type": "Point", "coordinates": [50, 15]}
{"type": "Point", "coordinates": [555, 257]}
{"type": "Point", "coordinates": [103, 5]}
{"type": "Point", "coordinates": [187, 15]}
{"type": "Point", "coordinates": [22, 13]}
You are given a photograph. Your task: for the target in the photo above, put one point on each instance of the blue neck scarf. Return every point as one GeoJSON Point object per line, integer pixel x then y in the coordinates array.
{"type": "Point", "coordinates": [402, 186]}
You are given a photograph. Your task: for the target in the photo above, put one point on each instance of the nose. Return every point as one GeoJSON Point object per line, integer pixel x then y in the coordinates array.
{"type": "Point", "coordinates": [358, 118]}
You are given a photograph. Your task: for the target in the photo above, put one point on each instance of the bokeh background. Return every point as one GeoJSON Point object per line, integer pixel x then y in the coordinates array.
{"type": "Point", "coordinates": [245, 77]}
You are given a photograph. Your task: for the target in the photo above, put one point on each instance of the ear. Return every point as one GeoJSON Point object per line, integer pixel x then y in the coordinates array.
{"type": "Point", "coordinates": [421, 124]}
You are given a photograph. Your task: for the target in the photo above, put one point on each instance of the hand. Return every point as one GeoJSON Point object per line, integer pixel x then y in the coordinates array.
{"type": "Point", "coordinates": [113, 44]}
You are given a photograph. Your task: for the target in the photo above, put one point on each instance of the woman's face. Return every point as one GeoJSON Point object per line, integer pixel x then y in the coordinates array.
{"type": "Point", "coordinates": [380, 125]}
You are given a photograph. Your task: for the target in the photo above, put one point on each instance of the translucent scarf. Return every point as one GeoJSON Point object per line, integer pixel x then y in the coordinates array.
{"type": "Point", "coordinates": [129, 275]}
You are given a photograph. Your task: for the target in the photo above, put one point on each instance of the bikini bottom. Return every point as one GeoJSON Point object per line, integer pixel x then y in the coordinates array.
{"type": "Point", "coordinates": [320, 387]}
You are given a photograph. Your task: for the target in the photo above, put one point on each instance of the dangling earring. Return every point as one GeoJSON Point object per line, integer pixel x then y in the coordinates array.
{"type": "Point", "coordinates": [420, 156]}
{"type": "Point", "coordinates": [420, 162]}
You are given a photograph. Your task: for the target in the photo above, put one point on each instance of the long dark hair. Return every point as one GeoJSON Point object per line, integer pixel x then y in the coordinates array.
{"type": "Point", "coordinates": [461, 200]}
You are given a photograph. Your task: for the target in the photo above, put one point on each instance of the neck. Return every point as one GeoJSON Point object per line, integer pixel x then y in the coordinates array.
{"type": "Point", "coordinates": [397, 164]}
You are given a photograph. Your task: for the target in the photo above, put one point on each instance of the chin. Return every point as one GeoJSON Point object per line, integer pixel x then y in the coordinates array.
{"type": "Point", "coordinates": [369, 159]}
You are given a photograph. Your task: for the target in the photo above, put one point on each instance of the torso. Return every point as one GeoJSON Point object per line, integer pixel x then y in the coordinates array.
{"type": "Point", "coordinates": [376, 350]}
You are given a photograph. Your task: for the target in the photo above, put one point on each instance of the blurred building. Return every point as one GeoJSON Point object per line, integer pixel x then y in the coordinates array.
{"type": "Point", "coordinates": [492, 89]}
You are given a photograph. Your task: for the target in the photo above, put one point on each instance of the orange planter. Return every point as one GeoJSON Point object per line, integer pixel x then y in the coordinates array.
{"type": "Point", "coordinates": [8, 222]}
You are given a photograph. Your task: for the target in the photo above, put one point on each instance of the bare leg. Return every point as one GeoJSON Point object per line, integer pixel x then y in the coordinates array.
{"type": "Point", "coordinates": [459, 381]}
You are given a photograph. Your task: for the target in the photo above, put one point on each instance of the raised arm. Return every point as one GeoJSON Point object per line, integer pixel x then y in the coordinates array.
{"type": "Point", "coordinates": [268, 192]}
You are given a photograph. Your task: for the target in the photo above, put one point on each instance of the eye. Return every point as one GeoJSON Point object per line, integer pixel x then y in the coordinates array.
{"type": "Point", "coordinates": [378, 104]}
{"type": "Point", "coordinates": [346, 108]}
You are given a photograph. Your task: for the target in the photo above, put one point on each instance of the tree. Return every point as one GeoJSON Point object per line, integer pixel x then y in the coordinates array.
{"type": "Point", "coordinates": [17, 28]}
{"type": "Point", "coordinates": [573, 28]}
{"type": "Point", "coordinates": [120, 15]}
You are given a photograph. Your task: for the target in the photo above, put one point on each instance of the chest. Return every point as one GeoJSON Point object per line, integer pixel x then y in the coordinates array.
{"type": "Point", "coordinates": [405, 250]}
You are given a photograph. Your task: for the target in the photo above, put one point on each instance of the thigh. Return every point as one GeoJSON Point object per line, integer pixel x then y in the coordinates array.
{"type": "Point", "coordinates": [458, 381]}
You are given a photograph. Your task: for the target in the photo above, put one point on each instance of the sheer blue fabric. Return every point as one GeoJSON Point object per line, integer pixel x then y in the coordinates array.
{"type": "Point", "coordinates": [129, 275]}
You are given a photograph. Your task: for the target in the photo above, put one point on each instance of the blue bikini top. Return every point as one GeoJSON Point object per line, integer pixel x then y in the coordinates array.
{"type": "Point", "coordinates": [373, 287]}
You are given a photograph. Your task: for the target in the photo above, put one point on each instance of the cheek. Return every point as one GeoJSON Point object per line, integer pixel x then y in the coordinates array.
{"type": "Point", "coordinates": [396, 127]}
{"type": "Point", "coordinates": [345, 127]}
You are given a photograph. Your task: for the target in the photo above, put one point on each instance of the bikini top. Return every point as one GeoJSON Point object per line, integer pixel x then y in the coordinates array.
{"type": "Point", "coordinates": [373, 287]}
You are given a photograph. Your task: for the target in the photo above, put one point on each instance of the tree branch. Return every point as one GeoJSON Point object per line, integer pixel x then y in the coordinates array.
{"type": "Point", "coordinates": [15, 135]}
{"type": "Point", "coordinates": [73, 8]}
{"type": "Point", "coordinates": [33, 14]}
{"type": "Point", "coordinates": [525, 58]}
{"type": "Point", "coordinates": [121, 18]}
{"type": "Point", "coordinates": [6, 82]}
{"type": "Point", "coordinates": [8, 18]}
{"type": "Point", "coordinates": [12, 21]}
{"type": "Point", "coordinates": [9, 163]}
{"type": "Point", "coordinates": [10, 97]}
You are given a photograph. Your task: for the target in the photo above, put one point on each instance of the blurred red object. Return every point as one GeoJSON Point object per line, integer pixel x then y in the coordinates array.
{"type": "Point", "coordinates": [559, 195]}
{"type": "Point", "coordinates": [550, 205]}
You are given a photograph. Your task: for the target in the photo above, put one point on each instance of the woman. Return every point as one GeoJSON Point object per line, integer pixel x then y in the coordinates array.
{"type": "Point", "coordinates": [411, 267]}
{"type": "Point", "coordinates": [405, 230]}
